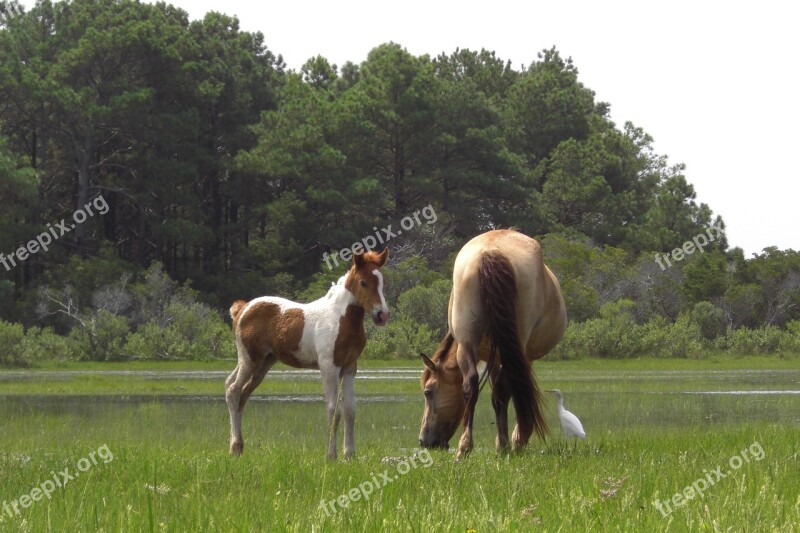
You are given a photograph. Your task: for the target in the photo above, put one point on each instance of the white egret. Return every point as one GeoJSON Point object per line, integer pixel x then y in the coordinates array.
{"type": "Point", "coordinates": [569, 422]}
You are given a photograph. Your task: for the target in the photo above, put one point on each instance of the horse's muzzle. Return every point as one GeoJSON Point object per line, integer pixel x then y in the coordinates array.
{"type": "Point", "coordinates": [380, 317]}
{"type": "Point", "coordinates": [434, 445]}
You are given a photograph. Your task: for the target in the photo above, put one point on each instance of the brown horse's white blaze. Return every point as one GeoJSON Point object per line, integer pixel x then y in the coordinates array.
{"type": "Point", "coordinates": [505, 309]}
{"type": "Point", "coordinates": [327, 334]}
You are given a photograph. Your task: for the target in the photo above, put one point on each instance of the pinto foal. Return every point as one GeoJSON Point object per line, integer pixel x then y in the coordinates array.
{"type": "Point", "coordinates": [326, 334]}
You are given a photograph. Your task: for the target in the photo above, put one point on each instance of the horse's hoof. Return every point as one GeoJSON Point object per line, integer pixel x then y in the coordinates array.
{"type": "Point", "coordinates": [237, 448]}
{"type": "Point", "coordinates": [331, 456]}
{"type": "Point", "coordinates": [463, 452]}
{"type": "Point", "coordinates": [349, 456]}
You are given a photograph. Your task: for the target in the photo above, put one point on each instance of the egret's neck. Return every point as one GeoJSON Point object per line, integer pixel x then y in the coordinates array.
{"type": "Point", "coordinates": [561, 404]}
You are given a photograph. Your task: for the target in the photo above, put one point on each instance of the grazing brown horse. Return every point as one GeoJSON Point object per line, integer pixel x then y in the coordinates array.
{"type": "Point", "coordinates": [505, 302]}
{"type": "Point", "coordinates": [326, 334]}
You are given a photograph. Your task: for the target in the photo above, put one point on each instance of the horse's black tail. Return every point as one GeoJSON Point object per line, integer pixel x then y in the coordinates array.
{"type": "Point", "coordinates": [499, 295]}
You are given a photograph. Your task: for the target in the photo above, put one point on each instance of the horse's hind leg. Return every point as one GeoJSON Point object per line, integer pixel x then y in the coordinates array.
{"type": "Point", "coordinates": [256, 379]}
{"type": "Point", "coordinates": [234, 386]}
{"type": "Point", "coordinates": [501, 394]}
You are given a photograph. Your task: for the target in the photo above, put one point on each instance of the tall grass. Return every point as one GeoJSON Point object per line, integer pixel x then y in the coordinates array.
{"type": "Point", "coordinates": [171, 470]}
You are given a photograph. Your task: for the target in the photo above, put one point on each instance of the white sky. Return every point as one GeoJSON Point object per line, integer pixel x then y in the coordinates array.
{"type": "Point", "coordinates": [714, 83]}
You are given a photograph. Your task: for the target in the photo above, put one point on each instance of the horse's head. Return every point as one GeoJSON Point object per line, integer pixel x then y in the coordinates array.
{"type": "Point", "coordinates": [444, 402]}
{"type": "Point", "coordinates": [365, 281]}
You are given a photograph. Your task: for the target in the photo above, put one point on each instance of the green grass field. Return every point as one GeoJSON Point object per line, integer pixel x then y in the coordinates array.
{"type": "Point", "coordinates": [654, 429]}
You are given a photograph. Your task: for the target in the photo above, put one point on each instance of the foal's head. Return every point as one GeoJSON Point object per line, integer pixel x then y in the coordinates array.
{"type": "Point", "coordinates": [365, 281]}
{"type": "Point", "coordinates": [444, 397]}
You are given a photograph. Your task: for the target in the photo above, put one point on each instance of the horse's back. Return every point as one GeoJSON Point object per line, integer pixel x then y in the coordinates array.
{"type": "Point", "coordinates": [541, 315]}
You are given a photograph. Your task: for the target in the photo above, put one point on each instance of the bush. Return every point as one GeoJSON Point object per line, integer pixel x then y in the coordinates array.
{"type": "Point", "coordinates": [101, 337]}
{"type": "Point", "coordinates": [745, 341]}
{"type": "Point", "coordinates": [612, 335]}
{"type": "Point", "coordinates": [194, 332]}
{"type": "Point", "coordinates": [400, 338]}
{"type": "Point", "coordinates": [427, 306]}
{"type": "Point", "coordinates": [11, 340]}
{"type": "Point", "coordinates": [616, 335]}
{"type": "Point", "coordinates": [683, 338]}
{"type": "Point", "coordinates": [790, 342]}
{"type": "Point", "coordinates": [43, 344]}
{"type": "Point", "coordinates": [710, 319]}
{"type": "Point", "coordinates": [22, 348]}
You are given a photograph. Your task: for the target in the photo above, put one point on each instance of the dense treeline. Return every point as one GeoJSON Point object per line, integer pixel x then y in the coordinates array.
{"type": "Point", "coordinates": [209, 162]}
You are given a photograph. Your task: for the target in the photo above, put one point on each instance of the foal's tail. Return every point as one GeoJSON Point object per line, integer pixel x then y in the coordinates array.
{"type": "Point", "coordinates": [236, 308]}
{"type": "Point", "coordinates": [499, 296]}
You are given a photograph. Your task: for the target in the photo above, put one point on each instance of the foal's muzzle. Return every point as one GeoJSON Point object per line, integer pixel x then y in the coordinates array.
{"type": "Point", "coordinates": [380, 317]}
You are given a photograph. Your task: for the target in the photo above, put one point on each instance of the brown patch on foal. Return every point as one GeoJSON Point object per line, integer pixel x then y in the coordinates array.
{"type": "Point", "coordinates": [264, 329]}
{"type": "Point", "coordinates": [351, 338]}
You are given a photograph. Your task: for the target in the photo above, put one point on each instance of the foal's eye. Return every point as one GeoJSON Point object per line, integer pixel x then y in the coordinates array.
{"type": "Point", "coordinates": [428, 393]}
{"type": "Point", "coordinates": [363, 283]}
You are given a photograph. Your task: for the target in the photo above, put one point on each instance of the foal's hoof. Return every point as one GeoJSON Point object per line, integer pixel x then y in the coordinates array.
{"type": "Point", "coordinates": [237, 448]}
{"type": "Point", "coordinates": [349, 455]}
{"type": "Point", "coordinates": [331, 456]}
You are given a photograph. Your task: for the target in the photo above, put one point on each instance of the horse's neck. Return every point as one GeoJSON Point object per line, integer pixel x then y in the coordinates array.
{"type": "Point", "coordinates": [335, 303]}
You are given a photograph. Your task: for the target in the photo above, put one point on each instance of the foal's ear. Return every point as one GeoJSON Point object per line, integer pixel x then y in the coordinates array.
{"type": "Point", "coordinates": [383, 256]}
{"type": "Point", "coordinates": [358, 260]}
{"type": "Point", "coordinates": [427, 360]}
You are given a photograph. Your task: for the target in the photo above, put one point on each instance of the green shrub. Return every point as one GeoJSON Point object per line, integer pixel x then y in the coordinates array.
{"type": "Point", "coordinates": [613, 335]}
{"type": "Point", "coordinates": [101, 337]}
{"type": "Point", "coordinates": [400, 338]}
{"type": "Point", "coordinates": [745, 341]}
{"type": "Point", "coordinates": [43, 344]}
{"type": "Point", "coordinates": [427, 305]}
{"type": "Point", "coordinates": [790, 341]}
{"type": "Point", "coordinates": [194, 332]}
{"type": "Point", "coordinates": [11, 341]}
{"type": "Point", "coordinates": [683, 338]}
{"type": "Point", "coordinates": [710, 319]}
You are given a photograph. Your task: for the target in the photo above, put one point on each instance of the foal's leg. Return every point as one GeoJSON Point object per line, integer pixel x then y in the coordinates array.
{"type": "Point", "coordinates": [500, 397]}
{"type": "Point", "coordinates": [256, 379]}
{"type": "Point", "coordinates": [330, 378]}
{"type": "Point", "coordinates": [466, 362]}
{"type": "Point", "coordinates": [233, 392]}
{"type": "Point", "coordinates": [348, 374]}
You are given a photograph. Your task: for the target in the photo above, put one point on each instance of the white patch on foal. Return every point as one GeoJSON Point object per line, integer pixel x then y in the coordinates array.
{"type": "Point", "coordinates": [379, 275]}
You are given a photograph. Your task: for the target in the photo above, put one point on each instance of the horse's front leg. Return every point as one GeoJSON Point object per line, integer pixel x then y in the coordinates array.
{"type": "Point", "coordinates": [330, 378]}
{"type": "Point", "coordinates": [348, 374]}
{"type": "Point", "coordinates": [466, 362]}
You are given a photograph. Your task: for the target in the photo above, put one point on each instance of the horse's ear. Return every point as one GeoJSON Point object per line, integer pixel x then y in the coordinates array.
{"type": "Point", "coordinates": [427, 360]}
{"type": "Point", "coordinates": [358, 260]}
{"type": "Point", "coordinates": [383, 256]}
